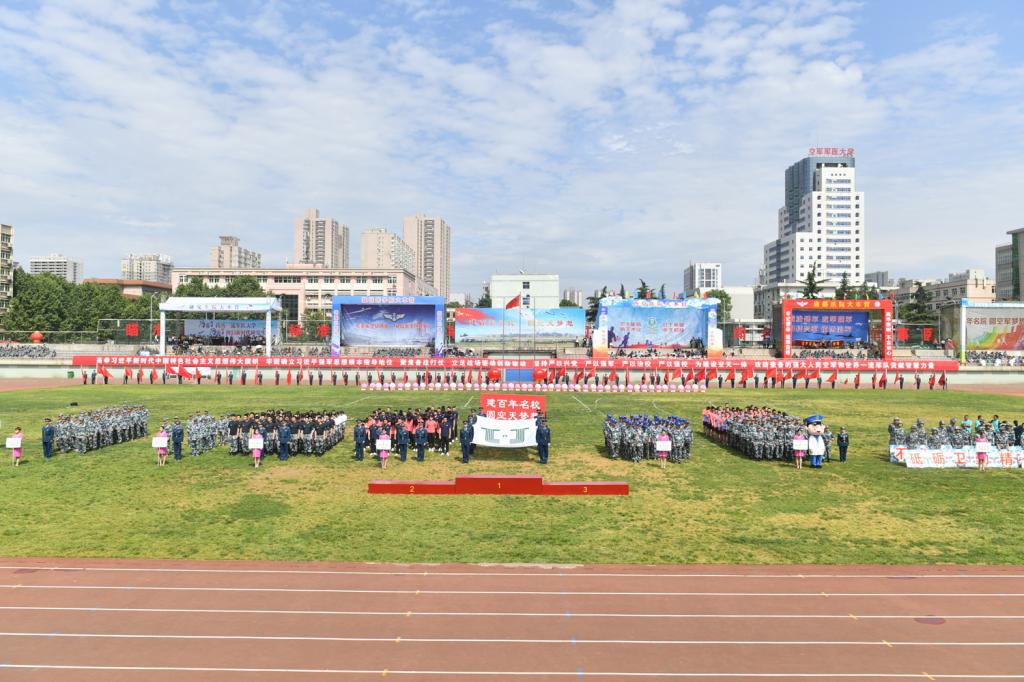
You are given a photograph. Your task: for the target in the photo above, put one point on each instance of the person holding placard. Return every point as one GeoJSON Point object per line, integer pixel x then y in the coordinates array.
{"type": "Point", "coordinates": [981, 449]}
{"type": "Point", "coordinates": [799, 449]}
{"type": "Point", "coordinates": [663, 445]}
{"type": "Point", "coordinates": [256, 445]}
{"type": "Point", "coordinates": [160, 443]}
{"type": "Point", "coordinates": [14, 443]}
{"type": "Point", "coordinates": [384, 448]}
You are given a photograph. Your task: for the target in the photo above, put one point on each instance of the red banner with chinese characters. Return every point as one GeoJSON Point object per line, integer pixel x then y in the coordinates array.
{"type": "Point", "coordinates": [587, 364]}
{"type": "Point", "coordinates": [511, 406]}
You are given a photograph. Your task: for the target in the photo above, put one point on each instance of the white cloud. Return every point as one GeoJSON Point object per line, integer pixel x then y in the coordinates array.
{"type": "Point", "coordinates": [606, 143]}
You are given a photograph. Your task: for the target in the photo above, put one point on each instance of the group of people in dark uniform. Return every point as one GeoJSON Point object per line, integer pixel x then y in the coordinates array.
{"type": "Point", "coordinates": [430, 428]}
{"type": "Point", "coordinates": [287, 433]}
{"type": "Point", "coordinates": [636, 437]}
{"type": "Point", "coordinates": [764, 432]}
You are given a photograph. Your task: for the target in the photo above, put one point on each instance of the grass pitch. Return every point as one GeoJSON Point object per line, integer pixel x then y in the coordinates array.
{"type": "Point", "coordinates": [716, 508]}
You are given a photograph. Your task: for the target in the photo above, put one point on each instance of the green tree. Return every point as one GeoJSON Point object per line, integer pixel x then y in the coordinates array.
{"type": "Point", "coordinates": [643, 291]}
{"type": "Point", "coordinates": [194, 288]}
{"type": "Point", "coordinates": [566, 303]}
{"type": "Point", "coordinates": [811, 287]}
{"type": "Point", "coordinates": [843, 292]}
{"type": "Point", "coordinates": [622, 291]}
{"type": "Point", "coordinates": [919, 310]}
{"type": "Point", "coordinates": [242, 287]}
{"type": "Point", "coordinates": [39, 303]}
{"type": "Point", "coordinates": [661, 292]}
{"type": "Point", "coordinates": [485, 300]}
{"type": "Point", "coordinates": [593, 302]}
{"type": "Point", "coordinates": [724, 305]}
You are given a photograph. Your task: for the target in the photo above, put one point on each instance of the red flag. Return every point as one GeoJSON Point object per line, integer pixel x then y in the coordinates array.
{"type": "Point", "coordinates": [666, 377]}
{"type": "Point", "coordinates": [613, 376]}
{"type": "Point", "coordinates": [552, 375]}
{"type": "Point", "coordinates": [732, 375]}
{"type": "Point", "coordinates": [643, 379]}
{"type": "Point", "coordinates": [883, 380]}
{"type": "Point", "coordinates": [832, 377]}
{"type": "Point", "coordinates": [288, 378]}
{"type": "Point", "coordinates": [801, 373]}
{"type": "Point", "coordinates": [627, 376]}
{"type": "Point", "coordinates": [298, 377]}
{"type": "Point", "coordinates": [168, 370]}
{"type": "Point", "coordinates": [689, 376]}
{"type": "Point", "coordinates": [591, 374]}
{"type": "Point", "coordinates": [942, 379]}
{"type": "Point", "coordinates": [700, 376]}
{"type": "Point", "coordinates": [677, 372]}
{"type": "Point", "coordinates": [515, 302]}
{"type": "Point", "coordinates": [184, 373]}
{"type": "Point", "coordinates": [712, 374]}
{"type": "Point", "coordinates": [772, 373]}
{"type": "Point", "coordinates": [405, 377]}
{"type": "Point", "coordinates": [104, 372]}
{"type": "Point", "coordinates": [561, 372]}
{"type": "Point", "coordinates": [152, 375]}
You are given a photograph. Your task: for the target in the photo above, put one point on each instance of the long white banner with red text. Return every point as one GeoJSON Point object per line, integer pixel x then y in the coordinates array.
{"type": "Point", "coordinates": [413, 364]}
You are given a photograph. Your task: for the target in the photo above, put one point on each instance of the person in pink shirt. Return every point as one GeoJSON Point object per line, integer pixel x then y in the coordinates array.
{"type": "Point", "coordinates": [16, 452]}
{"type": "Point", "coordinates": [383, 445]}
{"type": "Point", "coordinates": [981, 448]}
{"type": "Point", "coordinates": [798, 452]}
{"type": "Point", "coordinates": [663, 438]}
{"type": "Point", "coordinates": [432, 434]}
{"type": "Point", "coordinates": [161, 452]}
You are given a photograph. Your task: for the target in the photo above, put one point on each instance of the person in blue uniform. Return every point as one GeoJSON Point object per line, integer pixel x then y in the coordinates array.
{"type": "Point", "coordinates": [466, 442]}
{"type": "Point", "coordinates": [374, 434]}
{"type": "Point", "coordinates": [359, 436]}
{"type": "Point", "coordinates": [543, 441]}
{"type": "Point", "coordinates": [420, 440]}
{"type": "Point", "coordinates": [48, 434]}
{"type": "Point", "coordinates": [284, 439]}
{"type": "Point", "coordinates": [843, 441]}
{"type": "Point", "coordinates": [402, 440]}
{"type": "Point", "coordinates": [445, 431]}
{"type": "Point", "coordinates": [470, 421]}
{"type": "Point", "coordinates": [177, 437]}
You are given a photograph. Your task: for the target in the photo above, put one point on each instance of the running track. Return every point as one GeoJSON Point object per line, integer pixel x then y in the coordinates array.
{"type": "Point", "coordinates": [199, 621]}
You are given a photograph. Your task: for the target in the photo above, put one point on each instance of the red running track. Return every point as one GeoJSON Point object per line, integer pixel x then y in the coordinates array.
{"type": "Point", "coordinates": [197, 621]}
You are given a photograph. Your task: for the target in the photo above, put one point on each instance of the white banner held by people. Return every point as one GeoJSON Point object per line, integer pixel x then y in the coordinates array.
{"type": "Point", "coordinates": [504, 433]}
{"type": "Point", "coordinates": [954, 458]}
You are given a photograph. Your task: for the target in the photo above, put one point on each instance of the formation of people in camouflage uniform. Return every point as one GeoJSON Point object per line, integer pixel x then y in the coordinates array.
{"type": "Point", "coordinates": [635, 437]}
{"type": "Point", "coordinates": [285, 433]}
{"type": "Point", "coordinates": [204, 432]}
{"type": "Point", "coordinates": [94, 429]}
{"type": "Point", "coordinates": [757, 432]}
{"type": "Point", "coordinates": [955, 433]}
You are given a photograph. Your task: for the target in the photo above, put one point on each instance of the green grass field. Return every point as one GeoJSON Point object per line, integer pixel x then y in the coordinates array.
{"type": "Point", "coordinates": [716, 508]}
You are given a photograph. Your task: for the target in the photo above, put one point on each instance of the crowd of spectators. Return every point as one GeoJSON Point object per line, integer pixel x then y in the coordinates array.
{"type": "Point", "coordinates": [396, 352]}
{"type": "Point", "coordinates": [994, 358]}
{"type": "Point", "coordinates": [831, 354]}
{"type": "Point", "coordinates": [20, 351]}
{"type": "Point", "coordinates": [455, 352]}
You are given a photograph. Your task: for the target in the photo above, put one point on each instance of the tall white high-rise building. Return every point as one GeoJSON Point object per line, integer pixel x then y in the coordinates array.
{"type": "Point", "coordinates": [61, 266]}
{"type": "Point", "coordinates": [148, 267]}
{"type": "Point", "coordinates": [822, 223]}
{"type": "Point", "coordinates": [382, 248]}
{"type": "Point", "coordinates": [6, 265]}
{"type": "Point", "coordinates": [230, 254]}
{"type": "Point", "coordinates": [320, 240]}
{"type": "Point", "coordinates": [573, 295]}
{"type": "Point", "coordinates": [699, 276]}
{"type": "Point", "coordinates": [431, 241]}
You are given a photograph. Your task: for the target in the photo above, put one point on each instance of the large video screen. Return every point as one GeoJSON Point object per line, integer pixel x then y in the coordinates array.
{"type": "Point", "coordinates": [631, 323]}
{"type": "Point", "coordinates": [479, 325]}
{"type": "Point", "coordinates": [386, 321]}
{"type": "Point", "coordinates": [829, 326]}
{"type": "Point", "coordinates": [995, 328]}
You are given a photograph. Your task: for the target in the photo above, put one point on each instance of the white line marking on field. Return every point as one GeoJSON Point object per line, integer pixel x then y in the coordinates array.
{"type": "Point", "coordinates": [585, 406]}
{"type": "Point", "coordinates": [493, 640]}
{"type": "Point", "coordinates": [468, 401]}
{"type": "Point", "coordinates": [497, 673]}
{"type": "Point", "coordinates": [547, 574]}
{"type": "Point", "coordinates": [507, 614]}
{"type": "Point", "coordinates": [572, 593]}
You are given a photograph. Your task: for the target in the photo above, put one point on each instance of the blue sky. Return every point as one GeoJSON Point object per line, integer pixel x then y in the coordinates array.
{"type": "Point", "coordinates": [603, 141]}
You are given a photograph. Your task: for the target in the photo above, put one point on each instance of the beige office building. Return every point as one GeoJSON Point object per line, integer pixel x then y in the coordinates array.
{"type": "Point", "coordinates": [6, 265]}
{"type": "Point", "coordinates": [230, 254]}
{"type": "Point", "coordinates": [61, 266]}
{"type": "Point", "coordinates": [149, 267]}
{"type": "Point", "coordinates": [431, 241]}
{"type": "Point", "coordinates": [320, 241]}
{"type": "Point", "coordinates": [309, 288]}
{"type": "Point", "coordinates": [384, 249]}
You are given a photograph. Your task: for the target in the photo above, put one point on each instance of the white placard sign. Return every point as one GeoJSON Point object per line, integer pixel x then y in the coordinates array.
{"type": "Point", "coordinates": [799, 444]}
{"type": "Point", "coordinates": [159, 441]}
{"type": "Point", "coordinates": [256, 443]}
{"type": "Point", "coordinates": [384, 444]}
{"type": "Point", "coordinates": [663, 446]}
{"type": "Point", "coordinates": [13, 443]}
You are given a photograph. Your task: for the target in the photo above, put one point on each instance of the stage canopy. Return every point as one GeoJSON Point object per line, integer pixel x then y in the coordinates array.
{"type": "Point", "coordinates": [210, 304]}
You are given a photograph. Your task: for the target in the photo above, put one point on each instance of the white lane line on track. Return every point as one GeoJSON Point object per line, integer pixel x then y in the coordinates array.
{"type": "Point", "coordinates": [511, 673]}
{"type": "Point", "coordinates": [548, 574]}
{"type": "Point", "coordinates": [573, 593]}
{"type": "Point", "coordinates": [485, 640]}
{"type": "Point", "coordinates": [506, 614]}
